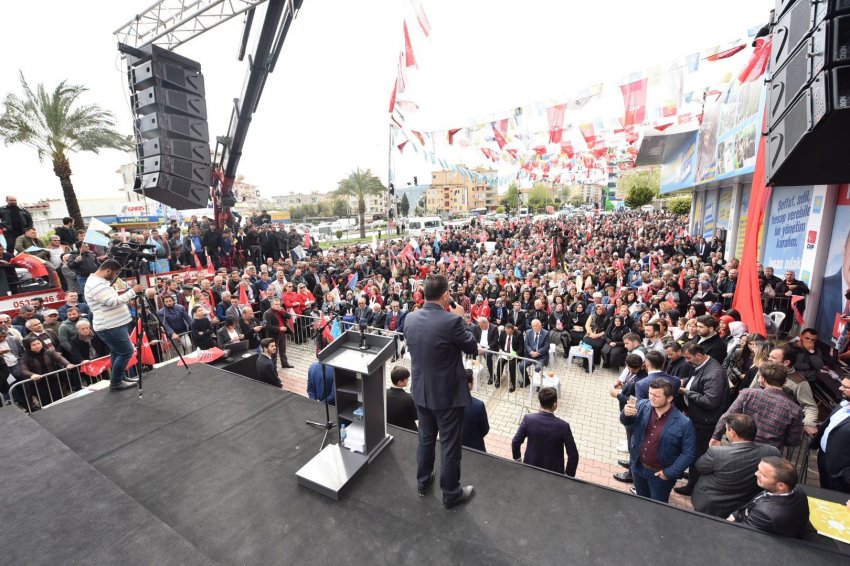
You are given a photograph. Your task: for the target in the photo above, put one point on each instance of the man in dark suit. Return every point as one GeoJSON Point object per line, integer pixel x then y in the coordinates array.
{"type": "Point", "coordinates": [266, 368]}
{"type": "Point", "coordinates": [654, 362]}
{"type": "Point", "coordinates": [476, 425]}
{"type": "Point", "coordinates": [517, 317]}
{"type": "Point", "coordinates": [727, 473]}
{"type": "Point", "coordinates": [706, 395]}
{"type": "Point", "coordinates": [320, 383]}
{"type": "Point", "coordinates": [831, 300]}
{"type": "Point", "coordinates": [394, 321]}
{"type": "Point", "coordinates": [536, 347]}
{"type": "Point", "coordinates": [782, 508]}
{"type": "Point", "coordinates": [833, 442]}
{"type": "Point", "coordinates": [487, 336]}
{"type": "Point", "coordinates": [548, 437]}
{"type": "Point", "coordinates": [676, 364]}
{"type": "Point", "coordinates": [376, 318]}
{"type": "Point", "coordinates": [275, 322]}
{"type": "Point", "coordinates": [437, 340]}
{"type": "Point", "coordinates": [510, 346]}
{"type": "Point", "coordinates": [401, 410]}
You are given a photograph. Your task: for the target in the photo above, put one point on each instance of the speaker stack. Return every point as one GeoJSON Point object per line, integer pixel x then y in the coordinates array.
{"type": "Point", "coordinates": [172, 136]}
{"type": "Point", "coordinates": [808, 102]}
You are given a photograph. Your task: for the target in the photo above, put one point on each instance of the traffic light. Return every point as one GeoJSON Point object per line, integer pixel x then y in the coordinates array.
{"type": "Point", "coordinates": [415, 180]}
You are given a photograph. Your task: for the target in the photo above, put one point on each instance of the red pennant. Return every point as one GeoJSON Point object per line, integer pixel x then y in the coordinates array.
{"type": "Point", "coordinates": [567, 149]}
{"type": "Point", "coordinates": [401, 146]}
{"type": "Point", "coordinates": [555, 116]}
{"type": "Point", "coordinates": [409, 59]}
{"type": "Point", "coordinates": [634, 97]}
{"type": "Point", "coordinates": [512, 153]}
{"type": "Point", "coordinates": [726, 54]}
{"type": "Point", "coordinates": [243, 294]}
{"type": "Point", "coordinates": [393, 95]}
{"type": "Point", "coordinates": [500, 131]}
{"type": "Point", "coordinates": [540, 150]}
{"type": "Point", "coordinates": [587, 133]}
{"type": "Point", "coordinates": [418, 136]}
{"type": "Point", "coordinates": [452, 133]}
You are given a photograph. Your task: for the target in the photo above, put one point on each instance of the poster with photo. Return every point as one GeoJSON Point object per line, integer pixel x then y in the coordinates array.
{"type": "Point", "coordinates": [836, 276]}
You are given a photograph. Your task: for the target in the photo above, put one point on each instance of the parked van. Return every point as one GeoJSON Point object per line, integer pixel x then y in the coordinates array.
{"type": "Point", "coordinates": [425, 225]}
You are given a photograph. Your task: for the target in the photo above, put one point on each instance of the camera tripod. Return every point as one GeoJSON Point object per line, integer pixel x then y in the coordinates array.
{"type": "Point", "coordinates": [133, 267]}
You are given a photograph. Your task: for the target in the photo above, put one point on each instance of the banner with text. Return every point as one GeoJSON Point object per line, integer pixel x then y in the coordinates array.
{"type": "Point", "coordinates": [786, 228]}
{"type": "Point", "coordinates": [837, 273]}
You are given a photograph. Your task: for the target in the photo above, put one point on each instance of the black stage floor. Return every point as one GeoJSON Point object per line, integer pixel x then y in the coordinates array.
{"type": "Point", "coordinates": [207, 462]}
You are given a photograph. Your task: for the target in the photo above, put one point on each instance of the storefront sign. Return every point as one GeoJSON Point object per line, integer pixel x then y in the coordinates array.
{"type": "Point", "coordinates": [787, 225]}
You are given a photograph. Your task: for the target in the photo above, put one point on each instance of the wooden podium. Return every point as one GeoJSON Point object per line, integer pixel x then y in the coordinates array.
{"type": "Point", "coordinates": [359, 383]}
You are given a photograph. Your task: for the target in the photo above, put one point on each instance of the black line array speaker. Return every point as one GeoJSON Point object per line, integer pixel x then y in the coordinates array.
{"type": "Point", "coordinates": [808, 99]}
{"type": "Point", "coordinates": [172, 150]}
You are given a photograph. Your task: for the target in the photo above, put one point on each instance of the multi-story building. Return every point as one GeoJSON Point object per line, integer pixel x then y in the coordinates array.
{"type": "Point", "coordinates": [376, 206]}
{"type": "Point", "coordinates": [289, 200]}
{"type": "Point", "coordinates": [454, 193]}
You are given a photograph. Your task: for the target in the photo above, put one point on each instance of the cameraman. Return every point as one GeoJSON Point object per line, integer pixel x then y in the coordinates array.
{"type": "Point", "coordinates": [83, 264]}
{"type": "Point", "coordinates": [111, 318]}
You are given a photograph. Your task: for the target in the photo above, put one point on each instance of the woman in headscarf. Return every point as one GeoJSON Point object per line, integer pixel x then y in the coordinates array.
{"type": "Point", "coordinates": [596, 327]}
{"type": "Point", "coordinates": [576, 322]}
{"type": "Point", "coordinates": [37, 361]}
{"type": "Point", "coordinates": [613, 353]}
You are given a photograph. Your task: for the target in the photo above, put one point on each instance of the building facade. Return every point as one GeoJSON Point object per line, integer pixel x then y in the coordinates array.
{"type": "Point", "coordinates": [453, 193]}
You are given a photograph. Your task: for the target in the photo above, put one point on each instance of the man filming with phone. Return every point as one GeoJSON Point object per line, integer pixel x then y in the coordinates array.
{"type": "Point", "coordinates": [111, 318]}
{"type": "Point", "coordinates": [663, 442]}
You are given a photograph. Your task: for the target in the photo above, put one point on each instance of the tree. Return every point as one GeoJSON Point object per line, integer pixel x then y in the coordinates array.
{"type": "Point", "coordinates": [56, 124]}
{"type": "Point", "coordinates": [361, 184]}
{"type": "Point", "coordinates": [679, 205]}
{"type": "Point", "coordinates": [577, 200]}
{"type": "Point", "coordinates": [403, 206]}
{"type": "Point", "coordinates": [511, 199]}
{"type": "Point", "coordinates": [640, 187]}
{"type": "Point", "coordinates": [539, 197]}
{"type": "Point", "coordinates": [339, 208]}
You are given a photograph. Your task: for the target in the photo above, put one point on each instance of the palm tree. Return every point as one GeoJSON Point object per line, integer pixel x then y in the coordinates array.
{"type": "Point", "coordinates": [55, 124]}
{"type": "Point", "coordinates": [360, 184]}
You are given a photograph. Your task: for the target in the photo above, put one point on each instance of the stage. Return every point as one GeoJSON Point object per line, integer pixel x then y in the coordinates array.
{"type": "Point", "coordinates": [202, 470]}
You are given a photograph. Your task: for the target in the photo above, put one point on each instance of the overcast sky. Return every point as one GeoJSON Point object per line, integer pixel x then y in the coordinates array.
{"type": "Point", "coordinates": [324, 110]}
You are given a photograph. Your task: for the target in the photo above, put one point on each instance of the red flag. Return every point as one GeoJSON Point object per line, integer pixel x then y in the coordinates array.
{"type": "Point", "coordinates": [421, 18]}
{"type": "Point", "coordinates": [797, 314]}
{"type": "Point", "coordinates": [210, 268]}
{"type": "Point", "coordinates": [31, 263]}
{"type": "Point", "coordinates": [243, 294]}
{"type": "Point", "coordinates": [197, 261]}
{"type": "Point", "coordinates": [202, 356]}
{"type": "Point", "coordinates": [747, 299]}
{"type": "Point", "coordinates": [540, 150]}
{"type": "Point", "coordinates": [555, 116]}
{"type": "Point", "coordinates": [96, 367]}
{"type": "Point", "coordinates": [512, 153]}
{"type": "Point", "coordinates": [326, 333]}
{"type": "Point", "coordinates": [567, 149]}
{"type": "Point", "coordinates": [500, 131]}
{"type": "Point", "coordinates": [634, 96]}
{"type": "Point", "coordinates": [757, 64]}
{"type": "Point", "coordinates": [452, 133]}
{"type": "Point", "coordinates": [418, 136]}
{"type": "Point", "coordinates": [409, 59]}
{"type": "Point", "coordinates": [401, 146]}
{"type": "Point", "coordinates": [290, 322]}
{"type": "Point", "coordinates": [682, 279]}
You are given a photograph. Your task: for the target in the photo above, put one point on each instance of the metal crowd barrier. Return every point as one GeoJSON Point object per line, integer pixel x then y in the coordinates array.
{"type": "Point", "coordinates": [51, 387]}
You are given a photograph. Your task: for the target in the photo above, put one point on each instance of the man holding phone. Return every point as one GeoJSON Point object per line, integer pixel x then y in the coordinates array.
{"type": "Point", "coordinates": [663, 442]}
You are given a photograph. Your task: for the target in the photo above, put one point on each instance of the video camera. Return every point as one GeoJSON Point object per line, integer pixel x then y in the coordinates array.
{"type": "Point", "coordinates": [132, 254]}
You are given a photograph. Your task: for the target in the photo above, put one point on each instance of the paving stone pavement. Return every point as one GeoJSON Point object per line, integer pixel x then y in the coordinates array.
{"type": "Point", "coordinates": [584, 402]}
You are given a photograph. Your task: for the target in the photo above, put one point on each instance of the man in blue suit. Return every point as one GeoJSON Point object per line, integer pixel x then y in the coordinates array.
{"type": "Point", "coordinates": [536, 348]}
{"type": "Point", "coordinates": [548, 436]}
{"type": "Point", "coordinates": [663, 441]}
{"type": "Point", "coordinates": [437, 340]}
{"type": "Point", "coordinates": [654, 362]}
{"type": "Point", "coordinates": [320, 383]}
{"type": "Point", "coordinates": [832, 296]}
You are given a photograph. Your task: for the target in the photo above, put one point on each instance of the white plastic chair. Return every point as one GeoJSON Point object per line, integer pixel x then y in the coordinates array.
{"type": "Point", "coordinates": [777, 317]}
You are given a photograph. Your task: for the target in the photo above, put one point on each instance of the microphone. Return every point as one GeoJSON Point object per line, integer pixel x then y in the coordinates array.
{"type": "Point", "coordinates": [362, 324]}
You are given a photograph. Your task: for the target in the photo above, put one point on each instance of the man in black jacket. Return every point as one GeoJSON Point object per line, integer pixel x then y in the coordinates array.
{"type": "Point", "coordinates": [401, 410]}
{"type": "Point", "coordinates": [676, 364]}
{"type": "Point", "coordinates": [266, 366]}
{"type": "Point", "coordinates": [833, 443]}
{"type": "Point", "coordinates": [709, 338]}
{"type": "Point", "coordinates": [782, 508]}
{"type": "Point", "coordinates": [487, 336]}
{"type": "Point", "coordinates": [706, 395]}
{"type": "Point", "coordinates": [14, 221]}
{"type": "Point", "coordinates": [274, 320]}
{"type": "Point", "coordinates": [510, 346]}
{"type": "Point", "coordinates": [66, 234]}
{"type": "Point", "coordinates": [548, 437]}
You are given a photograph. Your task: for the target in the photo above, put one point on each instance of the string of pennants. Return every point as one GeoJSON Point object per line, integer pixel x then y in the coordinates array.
{"type": "Point", "coordinates": [580, 138]}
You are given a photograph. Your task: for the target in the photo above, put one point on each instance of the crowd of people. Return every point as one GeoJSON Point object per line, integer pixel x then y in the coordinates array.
{"type": "Point", "coordinates": [650, 301]}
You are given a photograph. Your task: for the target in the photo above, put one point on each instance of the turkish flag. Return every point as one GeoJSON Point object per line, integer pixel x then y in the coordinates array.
{"type": "Point", "coordinates": [409, 59]}
{"type": "Point", "coordinates": [96, 367]}
{"type": "Point", "coordinates": [555, 116]}
{"type": "Point", "coordinates": [500, 131]}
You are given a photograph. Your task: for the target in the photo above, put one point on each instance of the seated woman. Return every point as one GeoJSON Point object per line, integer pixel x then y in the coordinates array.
{"type": "Point", "coordinates": [596, 326]}
{"type": "Point", "coordinates": [576, 322]}
{"type": "Point", "coordinates": [614, 351]}
{"type": "Point", "coordinates": [229, 332]}
{"type": "Point", "coordinates": [37, 361]}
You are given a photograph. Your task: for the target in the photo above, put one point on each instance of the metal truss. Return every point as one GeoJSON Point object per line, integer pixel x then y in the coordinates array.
{"type": "Point", "coordinates": [169, 23]}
